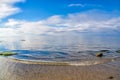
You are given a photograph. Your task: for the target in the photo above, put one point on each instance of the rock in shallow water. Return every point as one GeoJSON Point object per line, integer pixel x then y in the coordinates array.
{"type": "Point", "coordinates": [99, 54]}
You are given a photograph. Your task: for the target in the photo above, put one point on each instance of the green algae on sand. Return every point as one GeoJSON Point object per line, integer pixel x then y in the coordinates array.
{"type": "Point", "coordinates": [7, 53]}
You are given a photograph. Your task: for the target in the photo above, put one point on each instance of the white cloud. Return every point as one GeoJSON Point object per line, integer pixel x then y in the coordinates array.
{"type": "Point", "coordinates": [91, 21]}
{"type": "Point", "coordinates": [27, 27]}
{"type": "Point", "coordinates": [76, 5]}
{"type": "Point", "coordinates": [8, 32]}
{"type": "Point", "coordinates": [7, 7]}
{"type": "Point", "coordinates": [85, 5]}
{"type": "Point", "coordinates": [56, 19]}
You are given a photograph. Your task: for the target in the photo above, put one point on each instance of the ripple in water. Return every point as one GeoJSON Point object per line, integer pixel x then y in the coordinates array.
{"type": "Point", "coordinates": [76, 49]}
{"type": "Point", "coordinates": [53, 56]}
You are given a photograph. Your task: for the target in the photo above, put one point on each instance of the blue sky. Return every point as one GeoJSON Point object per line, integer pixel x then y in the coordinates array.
{"type": "Point", "coordinates": [40, 9]}
{"type": "Point", "coordinates": [58, 16]}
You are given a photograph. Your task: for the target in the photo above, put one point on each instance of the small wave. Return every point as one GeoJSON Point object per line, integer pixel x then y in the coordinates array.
{"type": "Point", "coordinates": [66, 63]}
{"type": "Point", "coordinates": [82, 58]}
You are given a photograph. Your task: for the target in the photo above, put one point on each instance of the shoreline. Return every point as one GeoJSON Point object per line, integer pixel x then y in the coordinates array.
{"type": "Point", "coordinates": [12, 70]}
{"type": "Point", "coordinates": [83, 62]}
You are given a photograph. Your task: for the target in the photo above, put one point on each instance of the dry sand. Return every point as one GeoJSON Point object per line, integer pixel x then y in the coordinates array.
{"type": "Point", "coordinates": [15, 70]}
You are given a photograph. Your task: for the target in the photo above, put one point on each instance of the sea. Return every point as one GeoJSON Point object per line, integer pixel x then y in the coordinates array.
{"type": "Point", "coordinates": [61, 48]}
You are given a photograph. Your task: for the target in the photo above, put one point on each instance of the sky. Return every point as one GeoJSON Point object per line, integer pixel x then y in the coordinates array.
{"type": "Point", "coordinates": [52, 17]}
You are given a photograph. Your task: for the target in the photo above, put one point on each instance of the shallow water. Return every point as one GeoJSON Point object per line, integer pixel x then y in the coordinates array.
{"type": "Point", "coordinates": [71, 48]}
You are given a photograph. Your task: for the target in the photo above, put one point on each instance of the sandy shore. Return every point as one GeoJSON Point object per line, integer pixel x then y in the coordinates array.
{"type": "Point", "coordinates": [15, 70]}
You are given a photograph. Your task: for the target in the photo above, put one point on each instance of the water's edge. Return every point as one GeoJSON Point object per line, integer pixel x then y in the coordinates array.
{"type": "Point", "coordinates": [71, 63]}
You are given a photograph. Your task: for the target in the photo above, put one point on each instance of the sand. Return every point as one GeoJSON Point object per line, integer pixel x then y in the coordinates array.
{"type": "Point", "coordinates": [17, 70]}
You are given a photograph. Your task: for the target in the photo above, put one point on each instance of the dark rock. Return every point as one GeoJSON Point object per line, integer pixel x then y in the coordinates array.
{"type": "Point", "coordinates": [79, 51]}
{"type": "Point", "coordinates": [111, 77]}
{"type": "Point", "coordinates": [99, 54]}
{"type": "Point", "coordinates": [23, 40]}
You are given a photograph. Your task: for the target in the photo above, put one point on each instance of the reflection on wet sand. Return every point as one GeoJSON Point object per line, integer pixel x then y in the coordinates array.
{"type": "Point", "coordinates": [12, 70]}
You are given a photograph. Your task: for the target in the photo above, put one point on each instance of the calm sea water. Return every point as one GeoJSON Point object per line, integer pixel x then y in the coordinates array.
{"type": "Point", "coordinates": [60, 48]}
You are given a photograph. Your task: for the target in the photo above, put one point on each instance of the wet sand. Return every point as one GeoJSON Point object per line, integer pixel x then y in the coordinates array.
{"type": "Point", "coordinates": [17, 70]}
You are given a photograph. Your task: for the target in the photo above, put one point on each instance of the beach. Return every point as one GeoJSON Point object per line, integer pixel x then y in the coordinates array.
{"type": "Point", "coordinates": [60, 40]}
{"type": "Point", "coordinates": [18, 70]}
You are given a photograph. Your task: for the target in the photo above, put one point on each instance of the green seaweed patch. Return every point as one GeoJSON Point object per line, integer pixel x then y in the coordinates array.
{"type": "Point", "coordinates": [118, 51]}
{"type": "Point", "coordinates": [7, 53]}
{"type": "Point", "coordinates": [104, 50]}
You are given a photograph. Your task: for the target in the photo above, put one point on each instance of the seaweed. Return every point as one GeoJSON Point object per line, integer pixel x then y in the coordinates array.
{"type": "Point", "coordinates": [7, 53]}
{"type": "Point", "coordinates": [118, 51]}
{"type": "Point", "coordinates": [104, 50]}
